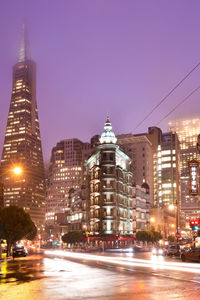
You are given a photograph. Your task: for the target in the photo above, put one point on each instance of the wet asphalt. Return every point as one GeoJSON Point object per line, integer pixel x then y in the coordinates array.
{"type": "Point", "coordinates": [40, 276]}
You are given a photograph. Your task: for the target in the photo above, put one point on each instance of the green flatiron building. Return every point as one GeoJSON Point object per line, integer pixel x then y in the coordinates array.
{"type": "Point", "coordinates": [22, 145]}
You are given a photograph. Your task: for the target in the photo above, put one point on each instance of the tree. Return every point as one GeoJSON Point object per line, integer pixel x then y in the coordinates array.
{"type": "Point", "coordinates": [171, 238]}
{"type": "Point", "coordinates": [15, 224]}
{"type": "Point", "coordinates": [156, 236]}
{"type": "Point", "coordinates": [144, 236]}
{"type": "Point", "coordinates": [148, 236]}
{"type": "Point", "coordinates": [32, 234]}
{"type": "Point", "coordinates": [72, 237]}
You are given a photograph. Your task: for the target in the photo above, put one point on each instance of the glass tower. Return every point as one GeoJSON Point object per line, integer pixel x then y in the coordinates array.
{"type": "Point", "coordinates": [166, 171]}
{"type": "Point", "coordinates": [187, 131]}
{"type": "Point", "coordinates": [22, 145]}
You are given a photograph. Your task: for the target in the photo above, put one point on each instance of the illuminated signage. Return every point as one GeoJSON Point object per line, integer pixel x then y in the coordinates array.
{"type": "Point", "coordinates": [198, 144]}
{"type": "Point", "coordinates": [194, 177]}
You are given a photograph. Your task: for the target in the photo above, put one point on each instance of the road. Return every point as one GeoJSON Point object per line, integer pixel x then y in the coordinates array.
{"type": "Point", "coordinates": [67, 275]}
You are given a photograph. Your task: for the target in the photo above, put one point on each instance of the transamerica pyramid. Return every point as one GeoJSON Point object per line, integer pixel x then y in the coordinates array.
{"type": "Point", "coordinates": [22, 167]}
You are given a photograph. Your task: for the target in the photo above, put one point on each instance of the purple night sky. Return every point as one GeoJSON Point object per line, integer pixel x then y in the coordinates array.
{"type": "Point", "coordinates": [102, 57]}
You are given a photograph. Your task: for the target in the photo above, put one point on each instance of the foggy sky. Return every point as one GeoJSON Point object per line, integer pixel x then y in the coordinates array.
{"type": "Point", "coordinates": [99, 58]}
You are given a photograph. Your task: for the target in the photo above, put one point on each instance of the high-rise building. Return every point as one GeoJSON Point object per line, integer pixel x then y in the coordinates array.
{"type": "Point", "coordinates": [165, 161]}
{"type": "Point", "coordinates": [187, 131]}
{"type": "Point", "coordinates": [110, 186]}
{"type": "Point", "coordinates": [65, 173]}
{"type": "Point", "coordinates": [155, 162]}
{"type": "Point", "coordinates": [139, 148]}
{"type": "Point", "coordinates": [166, 171]}
{"type": "Point", "coordinates": [22, 145]}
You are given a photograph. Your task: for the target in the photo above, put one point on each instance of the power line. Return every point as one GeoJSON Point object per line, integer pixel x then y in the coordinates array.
{"type": "Point", "coordinates": [180, 103]}
{"type": "Point", "coordinates": [170, 92]}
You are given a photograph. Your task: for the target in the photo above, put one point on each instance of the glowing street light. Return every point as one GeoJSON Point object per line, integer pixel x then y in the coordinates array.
{"type": "Point", "coordinates": [171, 207]}
{"type": "Point", "coordinates": [152, 219]}
{"type": "Point", "coordinates": [17, 170]}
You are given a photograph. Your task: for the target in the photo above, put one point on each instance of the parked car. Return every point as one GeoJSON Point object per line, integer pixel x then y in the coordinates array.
{"type": "Point", "coordinates": [185, 249]}
{"type": "Point", "coordinates": [193, 255]}
{"type": "Point", "coordinates": [18, 251]}
{"type": "Point", "coordinates": [173, 250]}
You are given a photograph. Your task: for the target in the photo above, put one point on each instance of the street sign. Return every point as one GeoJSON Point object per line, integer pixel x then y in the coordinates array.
{"type": "Point", "coordinates": [178, 235]}
{"type": "Point", "coordinates": [194, 177]}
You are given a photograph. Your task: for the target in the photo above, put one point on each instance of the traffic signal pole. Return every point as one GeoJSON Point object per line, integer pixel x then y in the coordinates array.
{"type": "Point", "coordinates": [195, 226]}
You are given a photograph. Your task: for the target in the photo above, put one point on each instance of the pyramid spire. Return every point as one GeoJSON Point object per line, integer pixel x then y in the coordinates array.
{"type": "Point", "coordinates": [108, 136]}
{"type": "Point", "coordinates": [23, 137]}
{"type": "Point", "coordinates": [24, 50]}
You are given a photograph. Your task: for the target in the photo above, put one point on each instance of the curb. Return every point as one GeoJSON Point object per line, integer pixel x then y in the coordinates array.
{"type": "Point", "coordinates": [6, 259]}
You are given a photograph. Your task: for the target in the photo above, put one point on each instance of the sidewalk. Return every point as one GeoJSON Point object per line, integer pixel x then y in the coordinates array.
{"type": "Point", "coordinates": [5, 258]}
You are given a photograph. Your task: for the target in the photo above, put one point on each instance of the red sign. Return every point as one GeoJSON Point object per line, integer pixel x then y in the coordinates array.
{"type": "Point", "coordinates": [178, 235]}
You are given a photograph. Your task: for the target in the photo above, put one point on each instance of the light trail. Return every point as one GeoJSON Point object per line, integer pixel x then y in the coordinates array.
{"type": "Point", "coordinates": [160, 260]}
{"type": "Point", "coordinates": [133, 262]}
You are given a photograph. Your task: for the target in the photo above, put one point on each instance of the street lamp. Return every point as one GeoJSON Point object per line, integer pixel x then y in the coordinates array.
{"type": "Point", "coordinates": [152, 221]}
{"type": "Point", "coordinates": [17, 170]}
{"type": "Point", "coordinates": [172, 207]}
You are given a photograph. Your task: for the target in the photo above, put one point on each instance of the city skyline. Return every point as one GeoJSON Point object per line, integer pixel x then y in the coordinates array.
{"type": "Point", "coordinates": [89, 69]}
{"type": "Point", "coordinates": [100, 149]}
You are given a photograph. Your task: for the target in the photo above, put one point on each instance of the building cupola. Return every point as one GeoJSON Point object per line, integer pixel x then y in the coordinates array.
{"type": "Point", "coordinates": [108, 136]}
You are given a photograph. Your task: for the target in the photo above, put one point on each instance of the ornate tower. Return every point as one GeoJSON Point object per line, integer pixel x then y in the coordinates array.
{"type": "Point", "coordinates": [110, 189]}
{"type": "Point", "coordinates": [22, 144]}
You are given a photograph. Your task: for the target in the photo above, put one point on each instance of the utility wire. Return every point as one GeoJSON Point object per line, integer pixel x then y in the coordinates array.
{"type": "Point", "coordinates": [170, 92]}
{"type": "Point", "coordinates": [179, 104]}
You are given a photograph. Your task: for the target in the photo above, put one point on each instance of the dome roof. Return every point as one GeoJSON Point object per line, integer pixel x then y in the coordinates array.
{"type": "Point", "coordinates": [108, 136]}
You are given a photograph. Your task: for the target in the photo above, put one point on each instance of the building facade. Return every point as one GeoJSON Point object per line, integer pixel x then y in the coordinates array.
{"type": "Point", "coordinates": [141, 211]}
{"type": "Point", "coordinates": [187, 131]}
{"type": "Point", "coordinates": [65, 173]}
{"type": "Point", "coordinates": [110, 188]}
{"type": "Point", "coordinates": [139, 148]}
{"type": "Point", "coordinates": [77, 217]}
{"type": "Point", "coordinates": [22, 148]}
{"type": "Point", "coordinates": [166, 171]}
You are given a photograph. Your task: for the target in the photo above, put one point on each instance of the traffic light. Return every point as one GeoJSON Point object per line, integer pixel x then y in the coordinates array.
{"type": "Point", "coordinates": [117, 237]}
{"type": "Point", "coordinates": [194, 224]}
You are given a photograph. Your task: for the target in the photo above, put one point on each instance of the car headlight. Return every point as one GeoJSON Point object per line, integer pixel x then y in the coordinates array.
{"type": "Point", "coordinates": [160, 251]}
{"type": "Point", "coordinates": [154, 251]}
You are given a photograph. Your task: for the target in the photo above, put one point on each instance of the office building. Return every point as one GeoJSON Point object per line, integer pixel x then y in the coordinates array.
{"type": "Point", "coordinates": [22, 150]}
{"type": "Point", "coordinates": [187, 131]}
{"type": "Point", "coordinates": [139, 148]}
{"type": "Point", "coordinates": [166, 171]}
{"type": "Point", "coordinates": [65, 173]}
